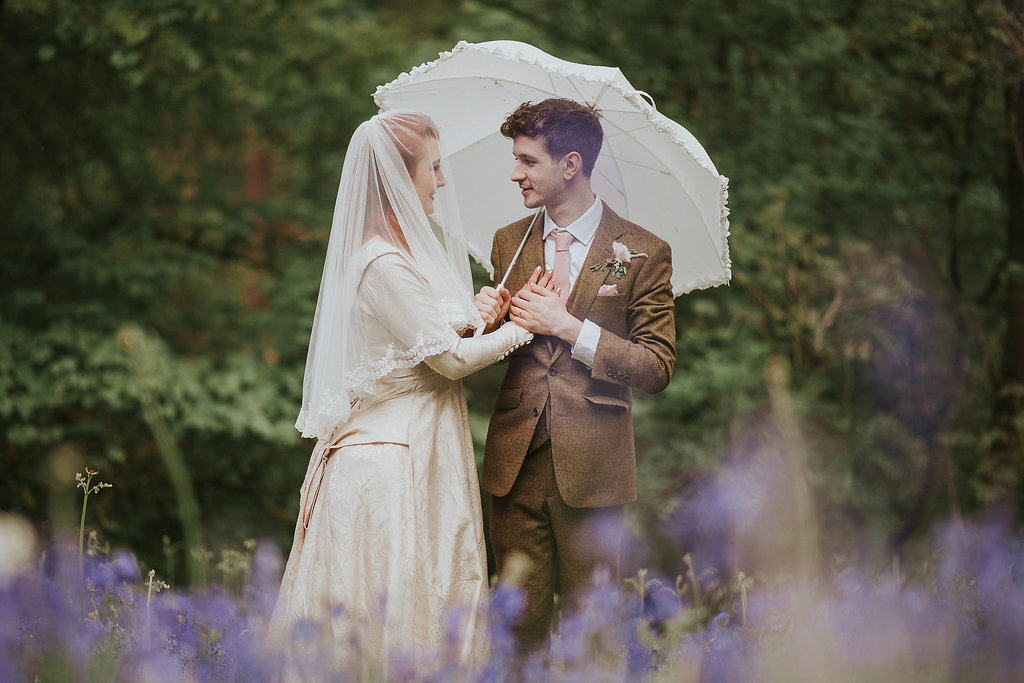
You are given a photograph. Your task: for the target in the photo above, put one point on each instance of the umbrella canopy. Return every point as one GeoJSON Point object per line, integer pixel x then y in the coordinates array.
{"type": "Point", "coordinates": [651, 170]}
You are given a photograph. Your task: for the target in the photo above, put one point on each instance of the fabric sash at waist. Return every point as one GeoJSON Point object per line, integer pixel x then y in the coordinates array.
{"type": "Point", "coordinates": [373, 420]}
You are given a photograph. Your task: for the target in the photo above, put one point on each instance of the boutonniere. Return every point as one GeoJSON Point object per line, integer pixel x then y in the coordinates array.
{"type": "Point", "coordinates": [619, 263]}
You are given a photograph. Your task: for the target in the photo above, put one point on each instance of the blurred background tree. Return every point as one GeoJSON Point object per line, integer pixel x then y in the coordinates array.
{"type": "Point", "coordinates": [170, 167]}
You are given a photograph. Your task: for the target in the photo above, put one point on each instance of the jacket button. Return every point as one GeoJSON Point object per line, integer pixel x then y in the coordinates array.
{"type": "Point", "coordinates": [552, 372]}
{"type": "Point", "coordinates": [536, 412]}
{"type": "Point", "coordinates": [609, 372]}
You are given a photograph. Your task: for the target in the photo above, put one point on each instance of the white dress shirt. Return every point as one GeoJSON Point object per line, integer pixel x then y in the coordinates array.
{"type": "Point", "coordinates": [583, 230]}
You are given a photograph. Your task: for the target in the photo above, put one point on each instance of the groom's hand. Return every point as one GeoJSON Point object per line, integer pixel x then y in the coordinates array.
{"type": "Point", "coordinates": [540, 279]}
{"type": "Point", "coordinates": [492, 305]}
{"type": "Point", "coordinates": [538, 308]}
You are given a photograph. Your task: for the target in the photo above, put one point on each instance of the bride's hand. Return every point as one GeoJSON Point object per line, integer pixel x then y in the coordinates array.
{"type": "Point", "coordinates": [492, 304]}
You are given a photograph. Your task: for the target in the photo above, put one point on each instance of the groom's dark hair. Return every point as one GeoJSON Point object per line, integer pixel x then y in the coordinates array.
{"type": "Point", "coordinates": [564, 126]}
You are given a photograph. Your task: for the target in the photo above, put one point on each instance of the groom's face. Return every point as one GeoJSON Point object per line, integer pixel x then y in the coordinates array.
{"type": "Point", "coordinates": [540, 177]}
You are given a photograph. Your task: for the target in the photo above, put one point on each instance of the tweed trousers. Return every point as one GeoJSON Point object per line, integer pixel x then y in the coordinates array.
{"type": "Point", "coordinates": [564, 545]}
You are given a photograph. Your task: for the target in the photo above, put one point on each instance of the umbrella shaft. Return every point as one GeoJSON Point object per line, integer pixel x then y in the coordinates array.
{"type": "Point", "coordinates": [520, 249]}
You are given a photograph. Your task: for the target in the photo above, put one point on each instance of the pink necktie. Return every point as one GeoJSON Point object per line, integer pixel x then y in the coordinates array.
{"type": "Point", "coordinates": [563, 238]}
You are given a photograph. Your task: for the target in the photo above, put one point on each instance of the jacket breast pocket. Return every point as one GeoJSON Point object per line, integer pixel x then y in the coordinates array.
{"type": "Point", "coordinates": [610, 403]}
{"type": "Point", "coordinates": [614, 301]}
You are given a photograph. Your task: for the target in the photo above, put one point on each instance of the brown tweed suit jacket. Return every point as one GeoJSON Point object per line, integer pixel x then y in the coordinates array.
{"type": "Point", "coordinates": [589, 413]}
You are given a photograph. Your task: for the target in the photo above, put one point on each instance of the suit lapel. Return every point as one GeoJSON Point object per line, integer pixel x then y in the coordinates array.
{"type": "Point", "coordinates": [589, 281]}
{"type": "Point", "coordinates": [530, 258]}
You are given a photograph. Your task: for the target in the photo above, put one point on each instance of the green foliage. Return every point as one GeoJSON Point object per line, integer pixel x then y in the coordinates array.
{"type": "Point", "coordinates": [867, 183]}
{"type": "Point", "coordinates": [172, 166]}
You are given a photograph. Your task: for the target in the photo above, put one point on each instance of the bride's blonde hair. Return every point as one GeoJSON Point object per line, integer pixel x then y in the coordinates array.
{"type": "Point", "coordinates": [410, 139]}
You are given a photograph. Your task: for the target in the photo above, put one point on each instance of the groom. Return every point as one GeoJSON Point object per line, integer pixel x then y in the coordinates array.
{"type": "Point", "coordinates": [559, 460]}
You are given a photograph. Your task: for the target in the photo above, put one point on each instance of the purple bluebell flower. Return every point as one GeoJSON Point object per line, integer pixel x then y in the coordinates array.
{"type": "Point", "coordinates": [265, 578]}
{"type": "Point", "coordinates": [504, 607]}
{"type": "Point", "coordinates": [639, 655]}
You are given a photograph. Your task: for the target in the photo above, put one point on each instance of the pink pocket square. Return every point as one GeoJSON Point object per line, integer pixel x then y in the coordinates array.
{"type": "Point", "coordinates": [608, 290]}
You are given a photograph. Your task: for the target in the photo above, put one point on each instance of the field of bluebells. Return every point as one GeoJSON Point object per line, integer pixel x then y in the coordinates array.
{"type": "Point", "coordinates": [87, 613]}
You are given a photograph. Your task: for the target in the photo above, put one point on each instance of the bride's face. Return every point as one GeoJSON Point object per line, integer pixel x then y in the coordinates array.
{"type": "Point", "coordinates": [428, 176]}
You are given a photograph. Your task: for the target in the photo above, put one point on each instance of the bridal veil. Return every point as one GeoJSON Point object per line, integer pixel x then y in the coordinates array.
{"type": "Point", "coordinates": [377, 200]}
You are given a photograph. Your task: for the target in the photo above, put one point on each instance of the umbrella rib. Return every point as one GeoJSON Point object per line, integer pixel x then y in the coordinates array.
{"type": "Point", "coordinates": [616, 126]}
{"type": "Point", "coordinates": [501, 82]}
{"type": "Point", "coordinates": [628, 134]}
{"type": "Point", "coordinates": [637, 164]}
{"type": "Point", "coordinates": [572, 82]}
{"type": "Point", "coordinates": [551, 80]}
{"type": "Point", "coordinates": [611, 182]}
{"type": "Point", "coordinates": [631, 112]}
{"type": "Point", "coordinates": [623, 131]}
{"type": "Point", "coordinates": [618, 172]}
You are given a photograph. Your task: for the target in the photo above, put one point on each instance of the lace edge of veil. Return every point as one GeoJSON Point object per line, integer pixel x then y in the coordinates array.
{"type": "Point", "coordinates": [362, 380]}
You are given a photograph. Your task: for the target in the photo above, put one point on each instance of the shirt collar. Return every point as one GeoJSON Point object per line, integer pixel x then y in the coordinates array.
{"type": "Point", "coordinates": [584, 227]}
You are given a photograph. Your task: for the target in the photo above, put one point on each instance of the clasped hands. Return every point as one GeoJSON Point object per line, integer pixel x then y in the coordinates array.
{"type": "Point", "coordinates": [536, 307]}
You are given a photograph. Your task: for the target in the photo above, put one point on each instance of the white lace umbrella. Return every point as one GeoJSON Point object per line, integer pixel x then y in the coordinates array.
{"type": "Point", "coordinates": [651, 169]}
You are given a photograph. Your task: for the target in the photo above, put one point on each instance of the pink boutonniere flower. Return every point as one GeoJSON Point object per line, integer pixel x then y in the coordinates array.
{"type": "Point", "coordinates": [621, 252]}
{"type": "Point", "coordinates": [618, 264]}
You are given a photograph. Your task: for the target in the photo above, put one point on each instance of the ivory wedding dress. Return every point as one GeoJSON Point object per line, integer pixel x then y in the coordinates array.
{"type": "Point", "coordinates": [390, 530]}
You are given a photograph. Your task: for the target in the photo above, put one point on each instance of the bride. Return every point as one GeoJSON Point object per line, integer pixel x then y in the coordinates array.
{"type": "Point", "coordinates": [390, 534]}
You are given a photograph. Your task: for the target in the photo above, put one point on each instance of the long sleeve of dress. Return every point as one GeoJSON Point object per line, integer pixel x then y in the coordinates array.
{"type": "Point", "coordinates": [401, 301]}
{"type": "Point", "coordinates": [476, 353]}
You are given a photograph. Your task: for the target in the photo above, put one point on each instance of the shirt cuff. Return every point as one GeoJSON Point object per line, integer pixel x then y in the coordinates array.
{"type": "Point", "coordinates": [586, 343]}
